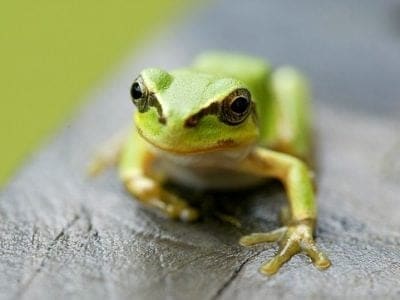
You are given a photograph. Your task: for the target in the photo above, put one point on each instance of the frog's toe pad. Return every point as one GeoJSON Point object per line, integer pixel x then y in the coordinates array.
{"type": "Point", "coordinates": [321, 261]}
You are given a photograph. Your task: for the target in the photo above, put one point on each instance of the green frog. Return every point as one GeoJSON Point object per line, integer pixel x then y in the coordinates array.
{"type": "Point", "coordinates": [228, 121]}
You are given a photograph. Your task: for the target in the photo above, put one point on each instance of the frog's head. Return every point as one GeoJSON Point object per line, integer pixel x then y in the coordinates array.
{"type": "Point", "coordinates": [185, 111]}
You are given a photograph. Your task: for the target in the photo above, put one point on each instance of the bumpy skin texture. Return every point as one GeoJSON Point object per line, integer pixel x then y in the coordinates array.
{"type": "Point", "coordinates": [192, 119]}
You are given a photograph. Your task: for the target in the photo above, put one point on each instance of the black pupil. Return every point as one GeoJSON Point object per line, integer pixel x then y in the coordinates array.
{"type": "Point", "coordinates": [240, 105]}
{"type": "Point", "coordinates": [136, 91]}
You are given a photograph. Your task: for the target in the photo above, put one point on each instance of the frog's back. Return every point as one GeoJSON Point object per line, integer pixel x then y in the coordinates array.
{"type": "Point", "coordinates": [252, 71]}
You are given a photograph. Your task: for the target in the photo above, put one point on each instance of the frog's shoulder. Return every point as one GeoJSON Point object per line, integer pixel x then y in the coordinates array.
{"type": "Point", "coordinates": [243, 67]}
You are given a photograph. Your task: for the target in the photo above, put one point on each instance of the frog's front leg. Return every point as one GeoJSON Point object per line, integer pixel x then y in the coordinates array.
{"type": "Point", "coordinates": [151, 193]}
{"type": "Point", "coordinates": [297, 233]}
{"type": "Point", "coordinates": [147, 186]}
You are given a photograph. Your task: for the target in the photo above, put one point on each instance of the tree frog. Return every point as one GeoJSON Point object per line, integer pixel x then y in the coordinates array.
{"type": "Point", "coordinates": [228, 121]}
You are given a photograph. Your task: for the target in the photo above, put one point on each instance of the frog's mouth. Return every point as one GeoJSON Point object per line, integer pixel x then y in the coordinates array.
{"type": "Point", "coordinates": [220, 145]}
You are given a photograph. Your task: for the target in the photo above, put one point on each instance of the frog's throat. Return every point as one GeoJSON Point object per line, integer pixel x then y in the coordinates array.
{"type": "Point", "coordinates": [220, 146]}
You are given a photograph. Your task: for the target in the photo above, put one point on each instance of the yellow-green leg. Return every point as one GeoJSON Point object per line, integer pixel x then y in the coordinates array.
{"type": "Point", "coordinates": [139, 178]}
{"type": "Point", "coordinates": [296, 235]}
{"type": "Point", "coordinates": [108, 155]}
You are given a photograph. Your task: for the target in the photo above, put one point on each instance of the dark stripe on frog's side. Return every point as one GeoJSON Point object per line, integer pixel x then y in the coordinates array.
{"type": "Point", "coordinates": [221, 108]}
{"type": "Point", "coordinates": [153, 101]}
{"type": "Point", "coordinates": [212, 109]}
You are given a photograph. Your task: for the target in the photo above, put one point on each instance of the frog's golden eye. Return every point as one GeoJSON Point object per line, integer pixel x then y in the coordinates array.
{"type": "Point", "coordinates": [140, 95]}
{"type": "Point", "coordinates": [236, 107]}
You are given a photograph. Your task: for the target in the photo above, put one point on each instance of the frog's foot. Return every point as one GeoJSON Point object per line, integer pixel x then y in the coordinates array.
{"type": "Point", "coordinates": [100, 163]}
{"type": "Point", "coordinates": [292, 240]}
{"type": "Point", "coordinates": [152, 194]}
{"type": "Point", "coordinates": [107, 155]}
{"type": "Point", "coordinates": [175, 207]}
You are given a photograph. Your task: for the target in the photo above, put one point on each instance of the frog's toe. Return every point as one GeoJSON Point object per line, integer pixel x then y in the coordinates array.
{"type": "Point", "coordinates": [323, 262]}
{"type": "Point", "coordinates": [172, 211]}
{"type": "Point", "coordinates": [262, 237]}
{"type": "Point", "coordinates": [182, 213]}
{"type": "Point", "coordinates": [189, 214]}
{"type": "Point", "coordinates": [286, 251]}
{"type": "Point", "coordinates": [273, 265]}
{"type": "Point", "coordinates": [96, 167]}
{"type": "Point", "coordinates": [248, 240]}
{"type": "Point", "coordinates": [319, 259]}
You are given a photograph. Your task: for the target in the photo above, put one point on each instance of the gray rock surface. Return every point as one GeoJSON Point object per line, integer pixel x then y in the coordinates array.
{"type": "Point", "coordinates": [66, 236]}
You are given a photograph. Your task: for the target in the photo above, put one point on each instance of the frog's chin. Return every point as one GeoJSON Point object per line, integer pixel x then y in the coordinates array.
{"type": "Point", "coordinates": [220, 145]}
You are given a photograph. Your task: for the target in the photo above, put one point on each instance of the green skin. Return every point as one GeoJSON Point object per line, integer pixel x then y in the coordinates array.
{"type": "Point", "coordinates": [276, 129]}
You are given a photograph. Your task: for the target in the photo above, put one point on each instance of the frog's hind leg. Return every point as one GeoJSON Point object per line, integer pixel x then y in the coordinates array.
{"type": "Point", "coordinates": [293, 131]}
{"type": "Point", "coordinates": [108, 154]}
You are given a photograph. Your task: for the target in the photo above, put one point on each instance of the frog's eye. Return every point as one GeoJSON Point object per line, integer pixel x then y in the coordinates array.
{"type": "Point", "coordinates": [236, 107]}
{"type": "Point", "coordinates": [140, 95]}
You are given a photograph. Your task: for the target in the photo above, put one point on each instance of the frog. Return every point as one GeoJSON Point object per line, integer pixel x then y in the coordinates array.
{"type": "Point", "coordinates": [227, 121]}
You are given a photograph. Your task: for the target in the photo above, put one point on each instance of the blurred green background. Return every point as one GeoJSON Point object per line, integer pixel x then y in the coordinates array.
{"type": "Point", "coordinates": [52, 52]}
